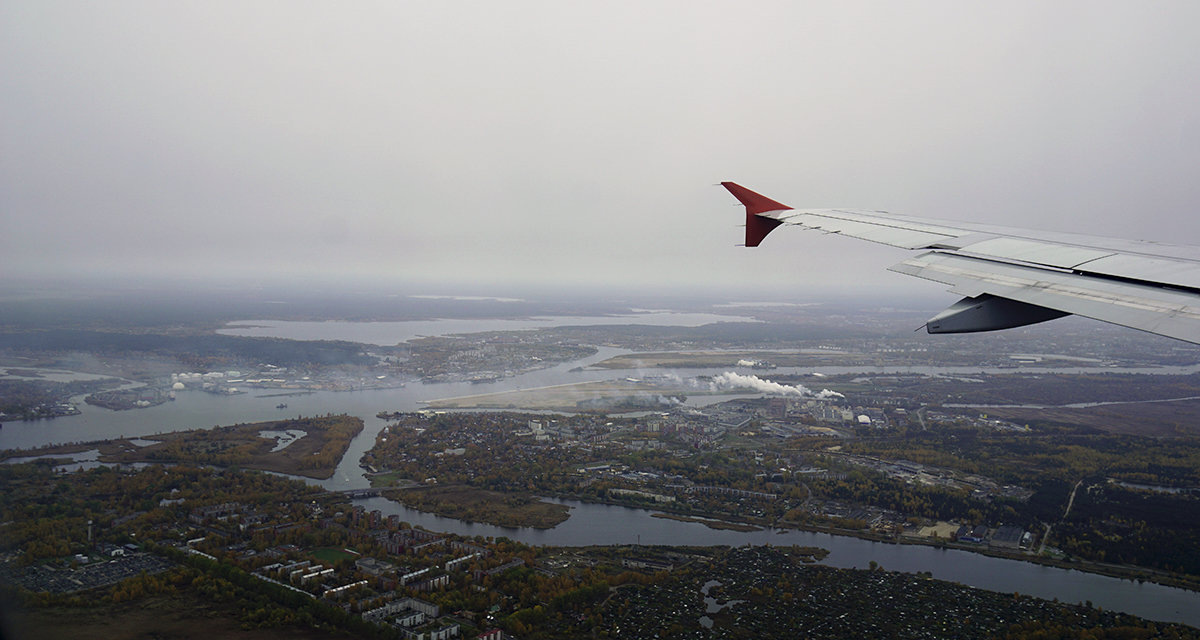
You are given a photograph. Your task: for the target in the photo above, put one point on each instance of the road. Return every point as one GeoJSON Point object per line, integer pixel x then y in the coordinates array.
{"type": "Point", "coordinates": [1070, 503]}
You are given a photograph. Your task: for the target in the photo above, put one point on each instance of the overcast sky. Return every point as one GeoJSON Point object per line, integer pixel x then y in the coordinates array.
{"type": "Point", "coordinates": [508, 143]}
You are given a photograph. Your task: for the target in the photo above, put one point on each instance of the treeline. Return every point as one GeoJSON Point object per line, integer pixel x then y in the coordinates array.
{"type": "Point", "coordinates": [22, 398]}
{"type": "Point", "coordinates": [200, 350]}
{"type": "Point", "coordinates": [1110, 523]}
{"type": "Point", "coordinates": [938, 503]}
{"type": "Point", "coordinates": [47, 513]}
{"type": "Point", "coordinates": [1156, 526]}
{"type": "Point", "coordinates": [563, 605]}
{"type": "Point", "coordinates": [1031, 459]}
{"type": "Point", "coordinates": [479, 505]}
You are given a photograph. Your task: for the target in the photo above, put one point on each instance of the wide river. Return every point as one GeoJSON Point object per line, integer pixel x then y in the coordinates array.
{"type": "Point", "coordinates": [592, 524]}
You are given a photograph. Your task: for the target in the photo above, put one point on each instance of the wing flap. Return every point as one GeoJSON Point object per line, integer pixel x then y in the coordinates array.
{"type": "Point", "coordinates": [1044, 253]}
{"type": "Point", "coordinates": [1154, 309]}
{"type": "Point", "coordinates": [1174, 272]}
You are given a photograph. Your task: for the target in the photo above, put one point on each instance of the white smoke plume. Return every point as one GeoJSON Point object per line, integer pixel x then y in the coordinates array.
{"type": "Point", "coordinates": [746, 363]}
{"type": "Point", "coordinates": [731, 380]}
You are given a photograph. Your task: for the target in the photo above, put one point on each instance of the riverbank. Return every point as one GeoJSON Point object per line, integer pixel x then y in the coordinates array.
{"type": "Point", "coordinates": [305, 447]}
{"type": "Point", "coordinates": [471, 504]}
{"type": "Point", "coordinates": [1131, 573]}
{"type": "Point", "coordinates": [711, 524]}
{"type": "Point", "coordinates": [493, 509]}
{"type": "Point", "coordinates": [1123, 572]}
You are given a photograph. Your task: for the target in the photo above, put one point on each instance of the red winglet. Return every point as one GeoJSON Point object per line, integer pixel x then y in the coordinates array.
{"type": "Point", "coordinates": [757, 227]}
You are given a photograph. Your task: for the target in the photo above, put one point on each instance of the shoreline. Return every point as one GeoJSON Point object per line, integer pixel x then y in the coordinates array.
{"type": "Point", "coordinates": [1121, 572]}
{"type": "Point", "coordinates": [1132, 573]}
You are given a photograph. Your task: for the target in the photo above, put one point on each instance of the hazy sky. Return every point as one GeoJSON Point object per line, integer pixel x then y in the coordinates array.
{"type": "Point", "coordinates": [573, 143]}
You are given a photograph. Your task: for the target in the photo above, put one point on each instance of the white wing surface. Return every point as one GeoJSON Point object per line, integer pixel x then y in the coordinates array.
{"type": "Point", "coordinates": [1013, 277]}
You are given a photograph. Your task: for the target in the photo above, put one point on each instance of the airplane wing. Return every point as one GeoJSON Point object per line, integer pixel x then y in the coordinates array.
{"type": "Point", "coordinates": [1013, 277]}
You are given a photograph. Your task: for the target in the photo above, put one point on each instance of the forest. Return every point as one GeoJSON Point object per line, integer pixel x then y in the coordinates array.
{"type": "Point", "coordinates": [315, 454]}
{"type": "Point", "coordinates": [549, 592]}
{"type": "Point", "coordinates": [1139, 497]}
{"type": "Point", "coordinates": [1133, 506]}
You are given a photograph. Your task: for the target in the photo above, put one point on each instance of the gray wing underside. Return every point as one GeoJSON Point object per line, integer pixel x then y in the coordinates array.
{"type": "Point", "coordinates": [1011, 277]}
